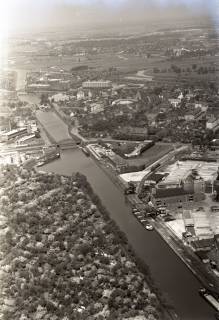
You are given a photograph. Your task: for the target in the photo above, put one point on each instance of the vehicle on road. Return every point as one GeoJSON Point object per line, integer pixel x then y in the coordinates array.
{"type": "Point", "coordinates": [130, 189]}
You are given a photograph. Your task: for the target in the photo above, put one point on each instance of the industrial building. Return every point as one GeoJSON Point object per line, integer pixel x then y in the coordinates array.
{"type": "Point", "coordinates": [101, 84]}
{"type": "Point", "coordinates": [176, 195]}
{"type": "Point", "coordinates": [15, 133]}
{"type": "Point", "coordinates": [53, 81]}
{"type": "Point", "coordinates": [180, 170]}
{"type": "Point", "coordinates": [199, 233]}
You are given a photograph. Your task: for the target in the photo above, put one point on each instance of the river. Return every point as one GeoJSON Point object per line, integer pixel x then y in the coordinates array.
{"type": "Point", "coordinates": [168, 271]}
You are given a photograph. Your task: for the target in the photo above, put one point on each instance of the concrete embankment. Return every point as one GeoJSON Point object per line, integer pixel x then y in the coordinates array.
{"type": "Point", "coordinates": [184, 253]}
{"type": "Point", "coordinates": [164, 232]}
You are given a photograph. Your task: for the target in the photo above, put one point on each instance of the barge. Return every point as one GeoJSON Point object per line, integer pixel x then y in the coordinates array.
{"type": "Point", "coordinates": [210, 298]}
{"type": "Point", "coordinates": [86, 151]}
{"type": "Point", "coordinates": [48, 159]}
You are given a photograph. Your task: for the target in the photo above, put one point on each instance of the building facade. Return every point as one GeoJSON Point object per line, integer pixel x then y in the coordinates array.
{"type": "Point", "coordinates": [192, 189]}
{"type": "Point", "coordinates": [101, 84]}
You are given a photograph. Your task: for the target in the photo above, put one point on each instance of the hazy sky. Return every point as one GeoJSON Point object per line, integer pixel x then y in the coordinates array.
{"type": "Point", "coordinates": [24, 15]}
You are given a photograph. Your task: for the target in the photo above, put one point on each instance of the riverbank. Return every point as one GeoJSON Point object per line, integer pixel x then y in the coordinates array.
{"type": "Point", "coordinates": [167, 309]}
{"type": "Point", "coordinates": [171, 274]}
{"type": "Point", "coordinates": [183, 252]}
{"type": "Point", "coordinates": [186, 254]}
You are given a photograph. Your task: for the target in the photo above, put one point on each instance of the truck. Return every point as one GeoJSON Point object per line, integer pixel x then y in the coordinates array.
{"type": "Point", "coordinates": [130, 189]}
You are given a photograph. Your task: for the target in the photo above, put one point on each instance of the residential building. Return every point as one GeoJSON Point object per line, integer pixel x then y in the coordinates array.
{"type": "Point", "coordinates": [174, 102]}
{"type": "Point", "coordinates": [96, 107]}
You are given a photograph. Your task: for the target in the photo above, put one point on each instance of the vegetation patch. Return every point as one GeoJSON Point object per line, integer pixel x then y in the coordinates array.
{"type": "Point", "coordinates": [62, 257]}
{"type": "Point", "coordinates": [151, 155]}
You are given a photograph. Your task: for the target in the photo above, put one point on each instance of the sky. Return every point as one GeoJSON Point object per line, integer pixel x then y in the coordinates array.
{"type": "Point", "coordinates": [27, 15]}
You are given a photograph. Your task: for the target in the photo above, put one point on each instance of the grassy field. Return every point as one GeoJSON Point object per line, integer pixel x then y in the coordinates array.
{"type": "Point", "coordinates": [185, 63]}
{"type": "Point", "coordinates": [170, 76]}
{"type": "Point", "coordinates": [35, 63]}
{"type": "Point", "coordinates": [128, 63]}
{"type": "Point", "coordinates": [151, 155]}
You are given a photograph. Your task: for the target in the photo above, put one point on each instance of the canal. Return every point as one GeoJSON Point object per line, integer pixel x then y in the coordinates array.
{"type": "Point", "coordinates": [168, 271]}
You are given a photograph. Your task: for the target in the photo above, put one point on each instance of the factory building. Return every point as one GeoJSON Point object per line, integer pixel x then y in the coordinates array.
{"type": "Point", "coordinates": [101, 84]}
{"type": "Point", "coordinates": [191, 189]}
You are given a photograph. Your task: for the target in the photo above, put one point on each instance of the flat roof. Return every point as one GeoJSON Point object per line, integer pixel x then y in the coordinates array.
{"type": "Point", "coordinates": [15, 131]}
{"type": "Point", "coordinates": [134, 176]}
{"type": "Point", "coordinates": [27, 138]}
{"type": "Point", "coordinates": [170, 192]}
{"type": "Point", "coordinates": [181, 169]}
{"type": "Point", "coordinates": [38, 85]}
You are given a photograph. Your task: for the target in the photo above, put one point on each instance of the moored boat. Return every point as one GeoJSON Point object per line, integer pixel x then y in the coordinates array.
{"type": "Point", "coordinates": [86, 151]}
{"type": "Point", "coordinates": [210, 298]}
{"type": "Point", "coordinates": [48, 159]}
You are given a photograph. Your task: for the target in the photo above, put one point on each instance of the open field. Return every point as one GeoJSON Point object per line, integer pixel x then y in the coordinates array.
{"type": "Point", "coordinates": [129, 65]}
{"type": "Point", "coordinates": [167, 74]}
{"type": "Point", "coordinates": [125, 63]}
{"type": "Point", "coordinates": [184, 64]}
{"type": "Point", "coordinates": [151, 155]}
{"type": "Point", "coordinates": [37, 62]}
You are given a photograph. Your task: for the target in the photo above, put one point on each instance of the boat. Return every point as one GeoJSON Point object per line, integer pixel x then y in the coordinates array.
{"type": "Point", "coordinates": [86, 152]}
{"type": "Point", "coordinates": [40, 164]}
{"type": "Point", "coordinates": [210, 298]}
{"type": "Point", "coordinates": [48, 159]}
{"type": "Point", "coordinates": [149, 227]}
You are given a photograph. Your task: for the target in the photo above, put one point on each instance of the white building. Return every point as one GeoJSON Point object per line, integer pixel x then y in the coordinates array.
{"type": "Point", "coordinates": [212, 123]}
{"type": "Point", "coordinates": [80, 95]}
{"type": "Point", "coordinates": [174, 102]}
{"type": "Point", "coordinates": [60, 97]}
{"type": "Point", "coordinates": [101, 84]}
{"type": "Point", "coordinates": [201, 106]}
{"type": "Point", "coordinates": [96, 107]}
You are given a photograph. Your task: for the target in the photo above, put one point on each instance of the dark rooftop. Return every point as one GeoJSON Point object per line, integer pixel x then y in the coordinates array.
{"type": "Point", "coordinates": [156, 177]}
{"type": "Point", "coordinates": [170, 192]}
{"type": "Point", "coordinates": [202, 243]}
